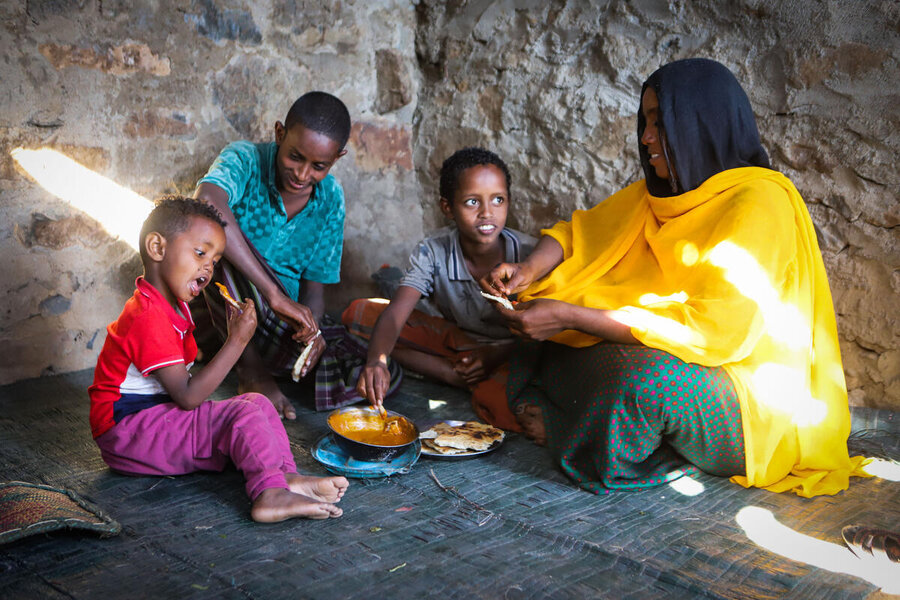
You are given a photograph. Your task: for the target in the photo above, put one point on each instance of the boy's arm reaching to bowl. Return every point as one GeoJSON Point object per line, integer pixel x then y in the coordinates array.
{"type": "Point", "coordinates": [375, 379]}
{"type": "Point", "coordinates": [190, 392]}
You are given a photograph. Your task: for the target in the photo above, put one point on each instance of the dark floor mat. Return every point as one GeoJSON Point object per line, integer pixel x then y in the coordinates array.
{"type": "Point", "coordinates": [505, 525]}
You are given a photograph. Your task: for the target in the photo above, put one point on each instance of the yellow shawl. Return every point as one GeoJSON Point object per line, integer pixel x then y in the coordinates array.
{"type": "Point", "coordinates": [729, 274]}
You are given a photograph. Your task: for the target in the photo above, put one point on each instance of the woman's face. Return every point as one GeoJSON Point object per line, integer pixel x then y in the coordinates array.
{"type": "Point", "coordinates": [651, 137]}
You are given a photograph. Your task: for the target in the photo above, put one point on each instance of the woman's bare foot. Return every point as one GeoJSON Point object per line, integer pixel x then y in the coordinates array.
{"type": "Point", "coordinates": [278, 504]}
{"type": "Point", "coordinates": [326, 489]}
{"type": "Point", "coordinates": [531, 418]}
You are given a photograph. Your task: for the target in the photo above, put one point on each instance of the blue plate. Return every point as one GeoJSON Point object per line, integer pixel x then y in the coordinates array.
{"type": "Point", "coordinates": [333, 457]}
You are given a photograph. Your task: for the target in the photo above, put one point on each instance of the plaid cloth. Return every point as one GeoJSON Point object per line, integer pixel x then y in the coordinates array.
{"type": "Point", "coordinates": [340, 364]}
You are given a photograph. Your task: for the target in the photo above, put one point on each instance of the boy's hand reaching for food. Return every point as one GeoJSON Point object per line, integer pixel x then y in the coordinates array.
{"type": "Point", "coordinates": [373, 383]}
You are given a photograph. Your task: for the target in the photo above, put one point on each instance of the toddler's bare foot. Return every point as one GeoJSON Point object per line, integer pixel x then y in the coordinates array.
{"type": "Point", "coordinates": [278, 504]}
{"type": "Point", "coordinates": [531, 418]}
{"type": "Point", "coordinates": [326, 489]}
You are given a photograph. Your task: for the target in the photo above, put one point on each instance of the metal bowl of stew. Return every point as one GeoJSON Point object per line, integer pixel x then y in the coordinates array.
{"type": "Point", "coordinates": [362, 433]}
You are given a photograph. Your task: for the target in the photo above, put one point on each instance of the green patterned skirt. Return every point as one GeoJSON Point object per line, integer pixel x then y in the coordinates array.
{"type": "Point", "coordinates": [628, 416]}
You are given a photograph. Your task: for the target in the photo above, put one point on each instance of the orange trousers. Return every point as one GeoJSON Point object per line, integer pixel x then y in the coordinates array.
{"type": "Point", "coordinates": [439, 337]}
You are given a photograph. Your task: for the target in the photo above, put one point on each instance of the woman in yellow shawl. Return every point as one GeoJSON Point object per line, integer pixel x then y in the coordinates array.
{"type": "Point", "coordinates": [688, 315]}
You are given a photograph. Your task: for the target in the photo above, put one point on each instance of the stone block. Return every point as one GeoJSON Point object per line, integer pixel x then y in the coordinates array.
{"type": "Point", "coordinates": [851, 60]}
{"type": "Point", "coordinates": [62, 233]}
{"type": "Point", "coordinates": [151, 124]}
{"type": "Point", "coordinates": [393, 85]}
{"type": "Point", "coordinates": [223, 24]}
{"type": "Point", "coordinates": [377, 147]}
{"type": "Point", "coordinates": [124, 59]}
{"type": "Point", "coordinates": [54, 305]}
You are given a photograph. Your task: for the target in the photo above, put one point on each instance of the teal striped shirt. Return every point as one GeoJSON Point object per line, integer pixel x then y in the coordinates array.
{"type": "Point", "coordinates": [307, 246]}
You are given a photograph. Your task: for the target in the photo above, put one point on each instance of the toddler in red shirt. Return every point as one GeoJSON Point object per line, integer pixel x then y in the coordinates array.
{"type": "Point", "coordinates": [149, 416]}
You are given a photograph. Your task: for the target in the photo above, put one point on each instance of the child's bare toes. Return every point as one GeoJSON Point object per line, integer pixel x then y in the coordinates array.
{"type": "Point", "coordinates": [278, 504]}
{"type": "Point", "coordinates": [326, 489]}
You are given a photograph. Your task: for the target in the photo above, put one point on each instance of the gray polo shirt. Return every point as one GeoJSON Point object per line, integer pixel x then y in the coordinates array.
{"type": "Point", "coordinates": [437, 269]}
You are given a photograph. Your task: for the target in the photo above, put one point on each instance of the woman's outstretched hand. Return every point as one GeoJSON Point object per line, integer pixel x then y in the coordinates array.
{"type": "Point", "coordinates": [506, 279]}
{"type": "Point", "coordinates": [538, 319]}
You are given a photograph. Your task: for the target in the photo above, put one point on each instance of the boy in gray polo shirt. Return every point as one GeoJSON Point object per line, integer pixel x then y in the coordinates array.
{"type": "Point", "coordinates": [468, 344]}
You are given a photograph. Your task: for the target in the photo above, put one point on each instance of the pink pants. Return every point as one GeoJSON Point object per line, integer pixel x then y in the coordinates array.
{"type": "Point", "coordinates": [168, 440]}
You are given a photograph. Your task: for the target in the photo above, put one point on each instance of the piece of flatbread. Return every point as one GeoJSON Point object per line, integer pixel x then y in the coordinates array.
{"type": "Point", "coordinates": [470, 436]}
{"type": "Point", "coordinates": [504, 302]}
{"type": "Point", "coordinates": [442, 449]}
{"type": "Point", "coordinates": [301, 360]}
{"type": "Point", "coordinates": [430, 434]}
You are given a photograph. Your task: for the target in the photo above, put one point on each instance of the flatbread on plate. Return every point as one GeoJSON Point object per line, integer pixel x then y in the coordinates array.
{"type": "Point", "coordinates": [470, 436]}
{"type": "Point", "coordinates": [446, 450]}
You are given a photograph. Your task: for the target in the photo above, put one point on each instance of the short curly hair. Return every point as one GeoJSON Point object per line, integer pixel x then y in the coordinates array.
{"type": "Point", "coordinates": [464, 159]}
{"type": "Point", "coordinates": [323, 113]}
{"type": "Point", "coordinates": [171, 216]}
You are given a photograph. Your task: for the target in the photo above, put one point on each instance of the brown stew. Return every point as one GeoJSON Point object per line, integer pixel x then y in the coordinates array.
{"type": "Point", "coordinates": [370, 429]}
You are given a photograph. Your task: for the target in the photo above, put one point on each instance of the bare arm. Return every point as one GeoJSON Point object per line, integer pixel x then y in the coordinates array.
{"type": "Point", "coordinates": [190, 392]}
{"type": "Point", "coordinates": [375, 379]}
{"type": "Point", "coordinates": [312, 295]}
{"type": "Point", "coordinates": [239, 254]}
{"type": "Point", "coordinates": [510, 278]}
{"type": "Point", "coordinates": [543, 318]}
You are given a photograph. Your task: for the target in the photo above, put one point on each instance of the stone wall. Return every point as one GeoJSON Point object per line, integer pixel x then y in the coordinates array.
{"type": "Point", "coordinates": [553, 87]}
{"type": "Point", "coordinates": [146, 93]}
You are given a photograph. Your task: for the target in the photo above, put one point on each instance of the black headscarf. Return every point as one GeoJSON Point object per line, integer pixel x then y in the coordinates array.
{"type": "Point", "coordinates": [707, 123]}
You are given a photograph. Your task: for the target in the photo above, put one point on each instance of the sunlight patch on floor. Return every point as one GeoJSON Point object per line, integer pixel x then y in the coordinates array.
{"type": "Point", "coordinates": [687, 486]}
{"type": "Point", "coordinates": [886, 469]}
{"type": "Point", "coordinates": [765, 531]}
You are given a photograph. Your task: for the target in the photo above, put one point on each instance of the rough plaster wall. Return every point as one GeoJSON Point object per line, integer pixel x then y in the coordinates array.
{"type": "Point", "coordinates": [147, 93]}
{"type": "Point", "coordinates": [553, 87]}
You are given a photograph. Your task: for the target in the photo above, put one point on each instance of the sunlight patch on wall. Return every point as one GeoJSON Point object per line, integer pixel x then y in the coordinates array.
{"type": "Point", "coordinates": [119, 210]}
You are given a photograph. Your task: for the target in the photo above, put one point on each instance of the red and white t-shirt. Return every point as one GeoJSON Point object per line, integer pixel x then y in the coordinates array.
{"type": "Point", "coordinates": [148, 335]}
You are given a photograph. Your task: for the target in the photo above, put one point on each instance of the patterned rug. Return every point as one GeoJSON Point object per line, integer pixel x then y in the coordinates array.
{"type": "Point", "coordinates": [29, 508]}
